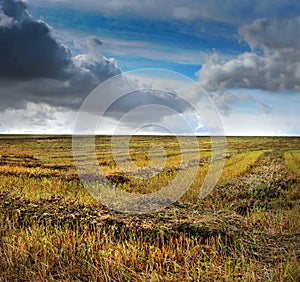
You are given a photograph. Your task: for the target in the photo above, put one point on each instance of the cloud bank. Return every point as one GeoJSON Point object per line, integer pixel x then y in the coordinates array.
{"type": "Point", "coordinates": [39, 74]}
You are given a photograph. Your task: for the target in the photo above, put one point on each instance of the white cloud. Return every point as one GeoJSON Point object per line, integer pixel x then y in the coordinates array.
{"type": "Point", "coordinates": [226, 102]}
{"type": "Point", "coordinates": [277, 69]}
{"type": "Point", "coordinates": [270, 35]}
{"type": "Point", "coordinates": [37, 118]}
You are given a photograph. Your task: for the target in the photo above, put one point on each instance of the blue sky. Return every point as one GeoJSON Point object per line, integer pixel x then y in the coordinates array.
{"type": "Point", "coordinates": [142, 42]}
{"type": "Point", "coordinates": [245, 54]}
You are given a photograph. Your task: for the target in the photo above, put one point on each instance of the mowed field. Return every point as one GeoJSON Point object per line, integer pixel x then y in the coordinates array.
{"type": "Point", "coordinates": [246, 229]}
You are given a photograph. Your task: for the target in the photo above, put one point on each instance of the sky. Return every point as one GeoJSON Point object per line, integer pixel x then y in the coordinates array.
{"type": "Point", "coordinates": [244, 54]}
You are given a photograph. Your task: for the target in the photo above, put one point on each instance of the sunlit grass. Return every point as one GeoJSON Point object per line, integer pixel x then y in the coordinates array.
{"type": "Point", "coordinates": [238, 164]}
{"type": "Point", "coordinates": [292, 160]}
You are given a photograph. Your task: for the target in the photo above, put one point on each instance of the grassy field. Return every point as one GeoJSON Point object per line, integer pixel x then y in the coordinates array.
{"type": "Point", "coordinates": [247, 229]}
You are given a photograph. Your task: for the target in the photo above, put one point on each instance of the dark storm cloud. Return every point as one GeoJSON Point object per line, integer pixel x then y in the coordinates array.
{"type": "Point", "coordinates": [36, 67]}
{"type": "Point", "coordinates": [27, 48]}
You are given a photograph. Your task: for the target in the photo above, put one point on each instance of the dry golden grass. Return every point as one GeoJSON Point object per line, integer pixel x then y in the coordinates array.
{"type": "Point", "coordinates": [51, 229]}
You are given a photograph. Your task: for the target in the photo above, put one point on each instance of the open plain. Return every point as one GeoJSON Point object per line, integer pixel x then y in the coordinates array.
{"type": "Point", "coordinates": [247, 229]}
